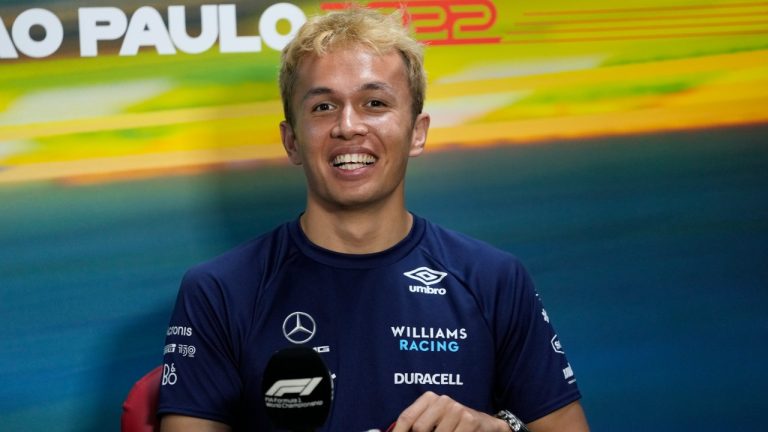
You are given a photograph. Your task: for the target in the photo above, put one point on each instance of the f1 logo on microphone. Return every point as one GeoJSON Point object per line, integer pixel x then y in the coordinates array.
{"type": "Point", "coordinates": [302, 386]}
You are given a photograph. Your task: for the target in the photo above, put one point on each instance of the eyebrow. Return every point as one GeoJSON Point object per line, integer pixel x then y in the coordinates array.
{"type": "Point", "coordinates": [316, 91]}
{"type": "Point", "coordinates": [375, 85]}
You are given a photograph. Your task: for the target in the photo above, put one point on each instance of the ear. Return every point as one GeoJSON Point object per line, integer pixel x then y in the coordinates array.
{"type": "Point", "coordinates": [419, 134]}
{"type": "Point", "coordinates": [288, 137]}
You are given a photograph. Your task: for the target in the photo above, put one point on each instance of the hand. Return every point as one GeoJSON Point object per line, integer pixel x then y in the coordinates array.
{"type": "Point", "coordinates": [436, 413]}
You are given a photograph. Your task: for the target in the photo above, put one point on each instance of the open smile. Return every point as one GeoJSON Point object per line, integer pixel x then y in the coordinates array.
{"type": "Point", "coordinates": [353, 161]}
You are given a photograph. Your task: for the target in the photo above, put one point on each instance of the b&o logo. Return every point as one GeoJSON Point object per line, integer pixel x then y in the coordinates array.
{"type": "Point", "coordinates": [169, 374]}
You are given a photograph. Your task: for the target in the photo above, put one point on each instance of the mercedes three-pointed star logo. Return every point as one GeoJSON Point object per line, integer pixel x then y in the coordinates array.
{"type": "Point", "coordinates": [299, 327]}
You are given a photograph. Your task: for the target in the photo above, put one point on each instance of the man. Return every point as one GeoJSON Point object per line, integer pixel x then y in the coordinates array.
{"type": "Point", "coordinates": [419, 325]}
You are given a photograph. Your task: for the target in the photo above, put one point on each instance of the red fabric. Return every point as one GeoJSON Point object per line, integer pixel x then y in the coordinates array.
{"type": "Point", "coordinates": [140, 406]}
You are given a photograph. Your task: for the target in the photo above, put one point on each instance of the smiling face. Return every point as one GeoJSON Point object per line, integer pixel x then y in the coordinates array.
{"type": "Point", "coordinates": [354, 129]}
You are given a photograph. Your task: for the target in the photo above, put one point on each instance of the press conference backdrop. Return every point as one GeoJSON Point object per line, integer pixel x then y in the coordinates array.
{"type": "Point", "coordinates": [619, 149]}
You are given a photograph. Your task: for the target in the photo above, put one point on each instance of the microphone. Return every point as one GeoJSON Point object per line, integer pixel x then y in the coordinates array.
{"type": "Point", "coordinates": [297, 389]}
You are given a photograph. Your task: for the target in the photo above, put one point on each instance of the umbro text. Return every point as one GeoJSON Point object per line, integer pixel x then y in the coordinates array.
{"type": "Point", "coordinates": [426, 290]}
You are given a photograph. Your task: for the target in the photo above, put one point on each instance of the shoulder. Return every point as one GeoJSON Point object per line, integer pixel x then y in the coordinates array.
{"type": "Point", "coordinates": [496, 279]}
{"type": "Point", "coordinates": [243, 266]}
{"type": "Point", "coordinates": [491, 275]}
{"type": "Point", "coordinates": [460, 250]}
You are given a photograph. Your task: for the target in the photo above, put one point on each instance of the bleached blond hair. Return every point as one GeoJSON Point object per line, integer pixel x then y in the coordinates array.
{"type": "Point", "coordinates": [350, 27]}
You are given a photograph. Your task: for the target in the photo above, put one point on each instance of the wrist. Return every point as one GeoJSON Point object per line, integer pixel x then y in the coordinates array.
{"type": "Point", "coordinates": [511, 421]}
{"type": "Point", "coordinates": [501, 425]}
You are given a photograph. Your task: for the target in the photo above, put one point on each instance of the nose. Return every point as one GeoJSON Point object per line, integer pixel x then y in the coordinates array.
{"type": "Point", "coordinates": [350, 124]}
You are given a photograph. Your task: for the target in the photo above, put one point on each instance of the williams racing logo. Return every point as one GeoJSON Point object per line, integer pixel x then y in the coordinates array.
{"type": "Point", "coordinates": [429, 339]}
{"type": "Point", "coordinates": [428, 277]}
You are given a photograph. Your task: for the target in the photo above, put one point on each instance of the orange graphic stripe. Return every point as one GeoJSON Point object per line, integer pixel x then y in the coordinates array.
{"type": "Point", "coordinates": [643, 18]}
{"type": "Point", "coordinates": [648, 9]}
{"type": "Point", "coordinates": [637, 37]}
{"type": "Point", "coordinates": [646, 27]}
{"type": "Point", "coordinates": [137, 120]}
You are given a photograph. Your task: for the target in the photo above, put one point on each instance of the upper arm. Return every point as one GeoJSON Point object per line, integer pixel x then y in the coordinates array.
{"type": "Point", "coordinates": [179, 423]}
{"type": "Point", "coordinates": [534, 375]}
{"type": "Point", "coordinates": [569, 418]}
{"type": "Point", "coordinates": [200, 374]}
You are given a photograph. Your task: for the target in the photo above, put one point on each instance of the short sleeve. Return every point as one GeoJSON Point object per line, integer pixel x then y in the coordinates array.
{"type": "Point", "coordinates": [535, 377]}
{"type": "Point", "coordinates": [200, 377]}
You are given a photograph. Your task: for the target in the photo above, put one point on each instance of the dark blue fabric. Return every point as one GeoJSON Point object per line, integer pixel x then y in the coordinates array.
{"type": "Point", "coordinates": [467, 322]}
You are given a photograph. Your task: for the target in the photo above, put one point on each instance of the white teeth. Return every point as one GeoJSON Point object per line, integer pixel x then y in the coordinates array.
{"type": "Point", "coordinates": [352, 161]}
{"type": "Point", "coordinates": [351, 166]}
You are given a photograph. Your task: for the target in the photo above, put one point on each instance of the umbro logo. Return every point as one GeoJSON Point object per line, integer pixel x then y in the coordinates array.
{"type": "Point", "coordinates": [426, 275]}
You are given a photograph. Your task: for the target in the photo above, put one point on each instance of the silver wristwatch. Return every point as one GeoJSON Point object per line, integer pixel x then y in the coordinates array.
{"type": "Point", "coordinates": [513, 422]}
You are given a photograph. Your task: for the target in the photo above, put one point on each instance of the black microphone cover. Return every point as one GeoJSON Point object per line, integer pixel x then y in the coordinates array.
{"type": "Point", "coordinates": [297, 389]}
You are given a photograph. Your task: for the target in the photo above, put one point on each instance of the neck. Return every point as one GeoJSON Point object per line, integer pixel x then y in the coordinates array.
{"type": "Point", "coordinates": [358, 231]}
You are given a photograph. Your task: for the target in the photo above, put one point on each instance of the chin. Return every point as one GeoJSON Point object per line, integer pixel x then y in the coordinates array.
{"type": "Point", "coordinates": [355, 202]}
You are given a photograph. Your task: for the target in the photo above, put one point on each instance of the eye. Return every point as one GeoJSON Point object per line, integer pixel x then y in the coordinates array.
{"type": "Point", "coordinates": [375, 103]}
{"type": "Point", "coordinates": [324, 106]}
